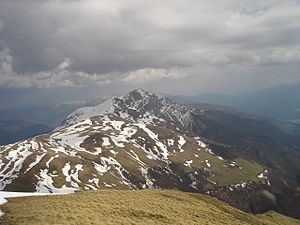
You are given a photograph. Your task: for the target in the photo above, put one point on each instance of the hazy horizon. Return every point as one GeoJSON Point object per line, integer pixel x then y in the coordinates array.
{"type": "Point", "coordinates": [35, 97]}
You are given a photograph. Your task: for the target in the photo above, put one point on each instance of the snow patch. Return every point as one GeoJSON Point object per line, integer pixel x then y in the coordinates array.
{"type": "Point", "coordinates": [188, 163]}
{"type": "Point", "coordinates": [149, 183]}
{"type": "Point", "coordinates": [207, 163]}
{"type": "Point", "coordinates": [45, 184]}
{"type": "Point", "coordinates": [181, 142]}
{"type": "Point", "coordinates": [170, 142]}
{"type": "Point", "coordinates": [37, 160]}
{"type": "Point", "coordinates": [105, 141]}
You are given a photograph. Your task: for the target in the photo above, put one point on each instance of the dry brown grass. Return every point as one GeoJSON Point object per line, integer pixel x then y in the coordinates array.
{"type": "Point", "coordinates": [131, 207]}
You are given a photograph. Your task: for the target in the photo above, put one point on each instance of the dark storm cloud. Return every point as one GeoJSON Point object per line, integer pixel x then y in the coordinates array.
{"type": "Point", "coordinates": [78, 43]}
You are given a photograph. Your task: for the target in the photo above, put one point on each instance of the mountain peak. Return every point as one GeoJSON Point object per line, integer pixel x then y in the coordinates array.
{"type": "Point", "coordinates": [140, 91]}
{"type": "Point", "coordinates": [139, 105]}
{"type": "Point", "coordinates": [139, 94]}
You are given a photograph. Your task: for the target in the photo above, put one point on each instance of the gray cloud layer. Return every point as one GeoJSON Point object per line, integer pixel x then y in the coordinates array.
{"type": "Point", "coordinates": [80, 43]}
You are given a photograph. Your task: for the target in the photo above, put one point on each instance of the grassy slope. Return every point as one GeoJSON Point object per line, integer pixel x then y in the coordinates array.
{"type": "Point", "coordinates": [131, 207]}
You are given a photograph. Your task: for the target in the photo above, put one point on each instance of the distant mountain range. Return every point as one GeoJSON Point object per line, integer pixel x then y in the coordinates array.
{"type": "Point", "coordinates": [280, 102]}
{"type": "Point", "coordinates": [143, 140]}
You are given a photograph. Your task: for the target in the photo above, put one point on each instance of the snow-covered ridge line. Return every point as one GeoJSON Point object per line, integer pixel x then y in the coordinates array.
{"type": "Point", "coordinates": [138, 105]}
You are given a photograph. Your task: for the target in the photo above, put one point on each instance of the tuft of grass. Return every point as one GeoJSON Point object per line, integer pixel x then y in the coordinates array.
{"type": "Point", "coordinates": [131, 207]}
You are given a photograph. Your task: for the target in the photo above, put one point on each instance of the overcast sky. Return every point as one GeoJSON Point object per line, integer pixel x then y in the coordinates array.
{"type": "Point", "coordinates": [171, 46]}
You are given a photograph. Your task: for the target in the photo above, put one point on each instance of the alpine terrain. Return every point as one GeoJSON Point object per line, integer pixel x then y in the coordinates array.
{"type": "Point", "coordinates": [143, 141]}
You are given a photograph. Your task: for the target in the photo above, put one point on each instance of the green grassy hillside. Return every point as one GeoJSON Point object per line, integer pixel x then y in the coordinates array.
{"type": "Point", "coordinates": [131, 207]}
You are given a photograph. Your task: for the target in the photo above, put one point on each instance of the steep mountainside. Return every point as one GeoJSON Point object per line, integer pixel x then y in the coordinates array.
{"type": "Point", "coordinates": [272, 144]}
{"type": "Point", "coordinates": [143, 140]}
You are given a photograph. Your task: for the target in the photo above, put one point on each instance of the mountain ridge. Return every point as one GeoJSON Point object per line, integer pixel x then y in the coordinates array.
{"type": "Point", "coordinates": [140, 140]}
{"type": "Point", "coordinates": [137, 103]}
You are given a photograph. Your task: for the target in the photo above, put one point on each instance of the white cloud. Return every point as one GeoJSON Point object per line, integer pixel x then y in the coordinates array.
{"type": "Point", "coordinates": [147, 74]}
{"type": "Point", "coordinates": [282, 56]}
{"type": "Point", "coordinates": [65, 64]}
{"type": "Point", "coordinates": [63, 76]}
{"type": "Point", "coordinates": [77, 43]}
{"type": "Point", "coordinates": [5, 62]}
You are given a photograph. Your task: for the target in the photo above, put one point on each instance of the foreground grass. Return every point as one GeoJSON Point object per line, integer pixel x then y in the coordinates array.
{"type": "Point", "coordinates": [131, 207]}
